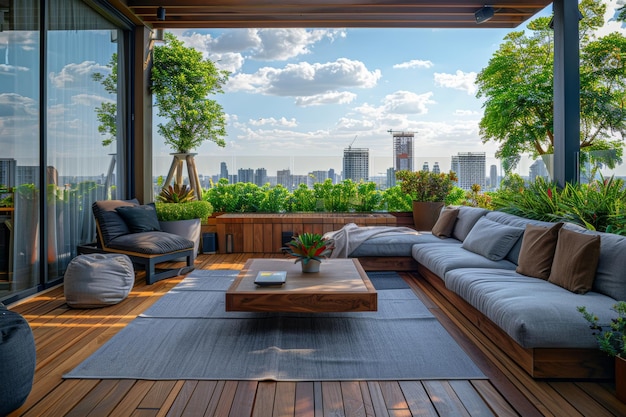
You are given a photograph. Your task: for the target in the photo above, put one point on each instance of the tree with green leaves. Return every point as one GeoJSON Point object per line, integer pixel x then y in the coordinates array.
{"type": "Point", "coordinates": [107, 110]}
{"type": "Point", "coordinates": [517, 86]}
{"type": "Point", "coordinates": [182, 82]}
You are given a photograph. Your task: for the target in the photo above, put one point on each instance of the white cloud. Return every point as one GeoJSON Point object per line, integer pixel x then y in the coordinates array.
{"type": "Point", "coordinates": [90, 100]}
{"type": "Point", "coordinates": [415, 63]}
{"type": "Point", "coordinates": [462, 112]}
{"type": "Point", "coordinates": [271, 121]}
{"type": "Point", "coordinates": [305, 79]}
{"type": "Point", "coordinates": [12, 69]}
{"type": "Point", "coordinates": [611, 25]}
{"type": "Point", "coordinates": [76, 74]}
{"type": "Point", "coordinates": [331, 97]}
{"type": "Point", "coordinates": [406, 102]}
{"type": "Point", "coordinates": [464, 81]}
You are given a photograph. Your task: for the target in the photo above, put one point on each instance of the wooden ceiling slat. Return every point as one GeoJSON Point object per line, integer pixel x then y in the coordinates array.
{"type": "Point", "coordinates": [329, 13]}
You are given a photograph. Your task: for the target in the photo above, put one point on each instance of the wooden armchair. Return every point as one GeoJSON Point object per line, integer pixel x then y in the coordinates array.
{"type": "Point", "coordinates": [131, 229]}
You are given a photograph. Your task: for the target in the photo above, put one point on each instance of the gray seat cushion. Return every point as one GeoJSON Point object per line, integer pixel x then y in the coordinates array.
{"type": "Point", "coordinates": [97, 280]}
{"type": "Point", "coordinates": [397, 245]}
{"type": "Point", "coordinates": [17, 356]}
{"type": "Point", "coordinates": [534, 312]}
{"type": "Point", "coordinates": [465, 220]}
{"type": "Point", "coordinates": [151, 243]}
{"type": "Point", "coordinates": [443, 257]}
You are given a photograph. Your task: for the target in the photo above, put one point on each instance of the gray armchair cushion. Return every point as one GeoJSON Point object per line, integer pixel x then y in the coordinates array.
{"type": "Point", "coordinates": [110, 222]}
{"type": "Point", "coordinates": [491, 239]}
{"type": "Point", "coordinates": [151, 243]}
{"type": "Point", "coordinates": [140, 218]}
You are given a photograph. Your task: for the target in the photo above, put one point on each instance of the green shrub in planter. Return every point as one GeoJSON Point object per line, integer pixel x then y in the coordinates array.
{"type": "Point", "coordinates": [168, 212]}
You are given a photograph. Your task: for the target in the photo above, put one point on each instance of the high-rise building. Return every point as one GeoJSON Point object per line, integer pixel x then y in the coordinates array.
{"type": "Point", "coordinates": [436, 168]}
{"type": "Point", "coordinates": [538, 169]}
{"type": "Point", "coordinates": [403, 151]}
{"type": "Point", "coordinates": [245, 175]}
{"type": "Point", "coordinates": [469, 168]}
{"type": "Point", "coordinates": [223, 170]}
{"type": "Point", "coordinates": [283, 177]}
{"type": "Point", "coordinates": [318, 176]}
{"type": "Point", "coordinates": [493, 177]}
{"type": "Point", "coordinates": [8, 168]}
{"type": "Point", "coordinates": [391, 177]}
{"type": "Point", "coordinates": [425, 167]}
{"type": "Point", "coordinates": [260, 177]}
{"type": "Point", "coordinates": [356, 164]}
{"type": "Point", "coordinates": [332, 175]}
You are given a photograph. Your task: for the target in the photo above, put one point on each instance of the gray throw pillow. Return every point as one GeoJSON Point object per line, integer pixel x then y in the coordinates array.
{"type": "Point", "coordinates": [140, 218]}
{"type": "Point", "coordinates": [491, 239]}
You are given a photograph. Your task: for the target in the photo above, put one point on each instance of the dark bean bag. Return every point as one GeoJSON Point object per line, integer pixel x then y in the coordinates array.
{"type": "Point", "coordinates": [17, 360]}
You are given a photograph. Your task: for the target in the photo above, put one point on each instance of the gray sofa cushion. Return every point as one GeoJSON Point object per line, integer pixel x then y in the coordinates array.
{"type": "Point", "coordinates": [491, 239]}
{"type": "Point", "coordinates": [517, 221]}
{"type": "Point", "coordinates": [443, 257]}
{"type": "Point", "coordinates": [534, 312]}
{"type": "Point", "coordinates": [465, 220]}
{"type": "Point", "coordinates": [392, 245]}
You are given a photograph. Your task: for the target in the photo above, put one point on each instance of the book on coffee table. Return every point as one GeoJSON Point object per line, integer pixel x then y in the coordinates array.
{"type": "Point", "coordinates": [264, 278]}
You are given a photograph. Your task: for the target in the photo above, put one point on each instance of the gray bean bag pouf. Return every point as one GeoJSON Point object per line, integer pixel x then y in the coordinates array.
{"type": "Point", "coordinates": [17, 360]}
{"type": "Point", "coordinates": [98, 280]}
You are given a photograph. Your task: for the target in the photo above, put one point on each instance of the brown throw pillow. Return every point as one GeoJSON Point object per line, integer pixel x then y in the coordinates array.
{"type": "Point", "coordinates": [445, 223]}
{"type": "Point", "coordinates": [575, 261]}
{"type": "Point", "coordinates": [537, 251]}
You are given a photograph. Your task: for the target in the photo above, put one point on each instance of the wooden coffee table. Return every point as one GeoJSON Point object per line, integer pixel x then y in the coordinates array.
{"type": "Point", "coordinates": [340, 286]}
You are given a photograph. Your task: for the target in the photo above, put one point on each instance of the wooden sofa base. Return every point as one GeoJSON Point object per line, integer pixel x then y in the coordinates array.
{"type": "Point", "coordinates": [149, 262]}
{"type": "Point", "coordinates": [388, 263]}
{"type": "Point", "coordinates": [538, 362]}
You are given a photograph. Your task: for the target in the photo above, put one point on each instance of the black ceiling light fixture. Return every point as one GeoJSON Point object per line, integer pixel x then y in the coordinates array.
{"type": "Point", "coordinates": [160, 13]}
{"type": "Point", "coordinates": [484, 14]}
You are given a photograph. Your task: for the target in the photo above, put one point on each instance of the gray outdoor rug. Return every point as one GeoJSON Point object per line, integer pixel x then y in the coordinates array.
{"type": "Point", "coordinates": [187, 335]}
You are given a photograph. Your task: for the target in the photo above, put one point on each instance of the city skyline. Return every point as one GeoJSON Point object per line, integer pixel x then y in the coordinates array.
{"type": "Point", "coordinates": [314, 92]}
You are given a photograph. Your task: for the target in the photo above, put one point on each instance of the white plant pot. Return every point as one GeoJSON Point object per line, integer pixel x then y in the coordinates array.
{"type": "Point", "coordinates": [189, 229]}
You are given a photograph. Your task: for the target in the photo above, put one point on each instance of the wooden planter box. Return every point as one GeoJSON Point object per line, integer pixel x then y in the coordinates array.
{"type": "Point", "coordinates": [265, 233]}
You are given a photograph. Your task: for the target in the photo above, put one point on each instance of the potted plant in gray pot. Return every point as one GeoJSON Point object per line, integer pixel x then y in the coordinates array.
{"type": "Point", "coordinates": [427, 191]}
{"type": "Point", "coordinates": [179, 213]}
{"type": "Point", "coordinates": [310, 249]}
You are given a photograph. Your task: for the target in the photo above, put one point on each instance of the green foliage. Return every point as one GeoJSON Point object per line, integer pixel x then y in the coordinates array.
{"type": "Point", "coordinates": [274, 199]}
{"type": "Point", "coordinates": [476, 198]}
{"type": "Point", "coordinates": [455, 197]}
{"type": "Point", "coordinates": [599, 205]}
{"type": "Point", "coordinates": [181, 82]}
{"type": "Point", "coordinates": [612, 340]}
{"type": "Point", "coordinates": [240, 197]}
{"type": "Point", "coordinates": [396, 200]}
{"type": "Point", "coordinates": [106, 112]}
{"type": "Point", "coordinates": [176, 194]}
{"type": "Point", "coordinates": [307, 246]}
{"type": "Point", "coordinates": [517, 86]}
{"type": "Point", "coordinates": [303, 199]}
{"type": "Point", "coordinates": [426, 186]}
{"type": "Point", "coordinates": [167, 212]}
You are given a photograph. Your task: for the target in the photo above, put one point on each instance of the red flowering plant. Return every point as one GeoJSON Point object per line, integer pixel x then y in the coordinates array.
{"type": "Point", "coordinates": [309, 246]}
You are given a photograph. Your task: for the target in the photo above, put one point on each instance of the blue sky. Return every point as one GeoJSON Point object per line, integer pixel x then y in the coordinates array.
{"type": "Point", "coordinates": [297, 97]}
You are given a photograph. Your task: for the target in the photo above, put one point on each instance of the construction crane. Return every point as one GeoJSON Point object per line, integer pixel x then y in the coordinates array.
{"type": "Point", "coordinates": [400, 131]}
{"type": "Point", "coordinates": [350, 145]}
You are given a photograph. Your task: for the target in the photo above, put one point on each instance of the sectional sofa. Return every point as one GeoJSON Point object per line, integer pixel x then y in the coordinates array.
{"type": "Point", "coordinates": [512, 292]}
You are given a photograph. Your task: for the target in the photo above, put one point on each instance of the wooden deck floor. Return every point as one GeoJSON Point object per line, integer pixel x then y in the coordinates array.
{"type": "Point", "coordinates": [64, 337]}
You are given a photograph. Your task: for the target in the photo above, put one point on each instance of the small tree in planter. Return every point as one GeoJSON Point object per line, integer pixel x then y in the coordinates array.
{"type": "Point", "coordinates": [182, 81]}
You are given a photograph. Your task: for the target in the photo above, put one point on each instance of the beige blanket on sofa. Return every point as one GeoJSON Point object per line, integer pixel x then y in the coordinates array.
{"type": "Point", "coordinates": [351, 236]}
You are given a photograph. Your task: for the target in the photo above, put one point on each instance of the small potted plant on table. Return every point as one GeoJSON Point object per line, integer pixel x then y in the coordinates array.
{"type": "Point", "coordinates": [612, 340]}
{"type": "Point", "coordinates": [310, 249]}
